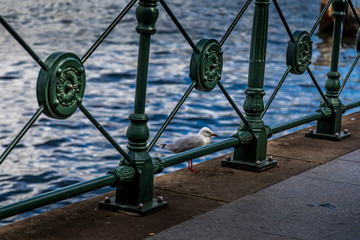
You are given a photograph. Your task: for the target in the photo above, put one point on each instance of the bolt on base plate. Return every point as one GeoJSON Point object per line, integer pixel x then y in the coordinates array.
{"type": "Point", "coordinates": [141, 209]}
{"type": "Point", "coordinates": [332, 137]}
{"type": "Point", "coordinates": [257, 166]}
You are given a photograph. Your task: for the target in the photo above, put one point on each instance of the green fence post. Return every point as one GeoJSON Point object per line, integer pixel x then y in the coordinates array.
{"type": "Point", "coordinates": [253, 156]}
{"type": "Point", "coordinates": [137, 195]}
{"type": "Point", "coordinates": [330, 127]}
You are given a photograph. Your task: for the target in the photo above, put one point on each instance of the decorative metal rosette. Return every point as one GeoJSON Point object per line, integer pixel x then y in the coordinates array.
{"type": "Point", "coordinates": [61, 88]}
{"type": "Point", "coordinates": [206, 66]}
{"type": "Point", "coordinates": [299, 52]}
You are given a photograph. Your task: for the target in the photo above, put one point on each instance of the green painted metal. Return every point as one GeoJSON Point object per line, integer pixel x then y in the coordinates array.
{"type": "Point", "coordinates": [23, 44]}
{"type": "Point", "coordinates": [358, 41]}
{"type": "Point", "coordinates": [55, 196]}
{"type": "Point", "coordinates": [275, 91]}
{"type": "Point", "coordinates": [320, 17]}
{"type": "Point", "coordinates": [234, 23]}
{"type": "Point", "coordinates": [137, 195]}
{"type": "Point", "coordinates": [206, 66]}
{"type": "Point", "coordinates": [330, 128]}
{"type": "Point", "coordinates": [178, 25]}
{"type": "Point", "coordinates": [296, 122]}
{"type": "Point", "coordinates": [61, 88]}
{"type": "Point", "coordinates": [105, 133]}
{"type": "Point", "coordinates": [318, 87]}
{"type": "Point", "coordinates": [233, 104]}
{"type": "Point", "coordinates": [354, 12]}
{"type": "Point", "coordinates": [281, 15]}
{"type": "Point", "coordinates": [158, 165]}
{"type": "Point", "coordinates": [299, 52]}
{"type": "Point", "coordinates": [61, 85]}
{"type": "Point", "coordinates": [253, 156]}
{"type": "Point", "coordinates": [211, 148]}
{"type": "Point", "coordinates": [349, 72]}
{"type": "Point", "coordinates": [126, 175]}
{"type": "Point", "coordinates": [319, 114]}
{"type": "Point", "coordinates": [108, 30]}
{"type": "Point", "coordinates": [352, 105]}
{"type": "Point", "coordinates": [171, 116]}
{"type": "Point", "coordinates": [12, 145]}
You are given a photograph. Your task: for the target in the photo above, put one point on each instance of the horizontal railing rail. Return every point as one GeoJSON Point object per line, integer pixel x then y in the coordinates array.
{"type": "Point", "coordinates": [61, 85]}
{"type": "Point", "coordinates": [57, 195]}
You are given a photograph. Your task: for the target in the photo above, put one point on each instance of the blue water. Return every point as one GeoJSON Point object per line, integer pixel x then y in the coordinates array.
{"type": "Point", "coordinates": [57, 153]}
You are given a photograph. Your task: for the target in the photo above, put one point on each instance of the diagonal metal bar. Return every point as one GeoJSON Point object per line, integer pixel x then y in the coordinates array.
{"type": "Point", "coordinates": [233, 24]}
{"type": "Point", "coordinates": [354, 11]}
{"type": "Point", "coordinates": [232, 103]}
{"type": "Point", "coordinates": [320, 16]}
{"type": "Point", "coordinates": [12, 145]}
{"type": "Point", "coordinates": [171, 116]}
{"type": "Point", "coordinates": [317, 86]}
{"type": "Point", "coordinates": [276, 91]}
{"type": "Point", "coordinates": [283, 20]}
{"type": "Point", "coordinates": [23, 44]}
{"type": "Point", "coordinates": [349, 72]}
{"type": "Point", "coordinates": [108, 30]}
{"type": "Point", "coordinates": [105, 133]}
{"type": "Point", "coordinates": [177, 23]}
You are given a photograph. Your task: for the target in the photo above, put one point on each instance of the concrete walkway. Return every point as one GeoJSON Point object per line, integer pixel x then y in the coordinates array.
{"type": "Point", "coordinates": [313, 193]}
{"type": "Point", "coordinates": [321, 203]}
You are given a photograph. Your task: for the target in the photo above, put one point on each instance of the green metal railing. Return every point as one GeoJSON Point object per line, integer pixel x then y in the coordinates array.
{"type": "Point", "coordinates": [61, 84]}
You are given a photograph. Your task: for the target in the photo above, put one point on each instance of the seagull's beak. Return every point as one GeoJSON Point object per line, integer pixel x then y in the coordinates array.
{"type": "Point", "coordinates": [215, 135]}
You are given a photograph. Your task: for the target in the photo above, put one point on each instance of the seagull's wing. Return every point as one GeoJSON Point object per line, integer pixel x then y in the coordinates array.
{"type": "Point", "coordinates": [185, 143]}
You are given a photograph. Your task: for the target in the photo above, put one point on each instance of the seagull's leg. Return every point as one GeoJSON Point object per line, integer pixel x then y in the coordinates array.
{"type": "Point", "coordinates": [191, 167]}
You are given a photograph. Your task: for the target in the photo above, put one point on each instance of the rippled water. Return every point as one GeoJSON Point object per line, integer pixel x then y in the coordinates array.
{"type": "Point", "coordinates": [57, 153]}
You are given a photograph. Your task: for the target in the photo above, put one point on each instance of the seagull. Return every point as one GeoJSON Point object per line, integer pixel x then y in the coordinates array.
{"type": "Point", "coordinates": [202, 138]}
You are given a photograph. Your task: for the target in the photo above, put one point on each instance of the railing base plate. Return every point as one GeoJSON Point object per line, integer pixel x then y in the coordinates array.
{"type": "Point", "coordinates": [249, 166]}
{"type": "Point", "coordinates": [146, 209]}
{"type": "Point", "coordinates": [332, 137]}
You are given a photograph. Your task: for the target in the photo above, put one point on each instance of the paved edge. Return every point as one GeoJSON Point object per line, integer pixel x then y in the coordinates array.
{"type": "Point", "coordinates": [189, 194]}
{"type": "Point", "coordinates": [321, 204]}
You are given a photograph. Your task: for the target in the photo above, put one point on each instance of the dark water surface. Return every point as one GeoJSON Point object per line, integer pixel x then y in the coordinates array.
{"type": "Point", "coordinates": [57, 153]}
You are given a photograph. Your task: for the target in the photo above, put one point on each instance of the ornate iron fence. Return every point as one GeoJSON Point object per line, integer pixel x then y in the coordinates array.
{"type": "Point", "coordinates": [61, 86]}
